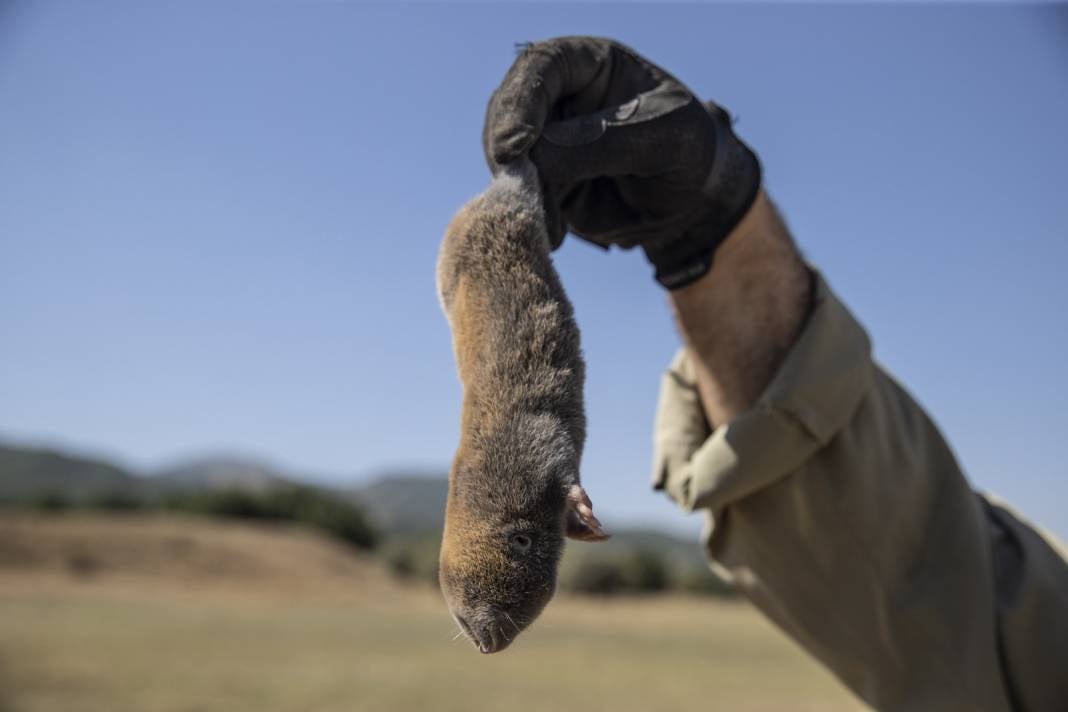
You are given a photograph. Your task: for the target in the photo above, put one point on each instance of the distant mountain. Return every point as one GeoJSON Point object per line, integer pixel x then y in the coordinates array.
{"type": "Point", "coordinates": [402, 503]}
{"type": "Point", "coordinates": [31, 472]}
{"type": "Point", "coordinates": [221, 473]}
{"type": "Point", "coordinates": [27, 472]}
{"type": "Point", "coordinates": [406, 503]}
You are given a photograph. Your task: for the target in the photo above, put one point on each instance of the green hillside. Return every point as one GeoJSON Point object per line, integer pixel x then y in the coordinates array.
{"type": "Point", "coordinates": [35, 472]}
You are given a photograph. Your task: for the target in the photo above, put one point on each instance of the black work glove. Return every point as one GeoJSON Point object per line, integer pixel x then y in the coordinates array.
{"type": "Point", "coordinates": [627, 155]}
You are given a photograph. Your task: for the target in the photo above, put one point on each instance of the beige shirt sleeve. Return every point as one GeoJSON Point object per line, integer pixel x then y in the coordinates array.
{"type": "Point", "coordinates": [836, 506]}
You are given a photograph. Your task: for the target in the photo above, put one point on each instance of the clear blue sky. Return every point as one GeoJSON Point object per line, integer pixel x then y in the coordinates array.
{"type": "Point", "coordinates": [219, 222]}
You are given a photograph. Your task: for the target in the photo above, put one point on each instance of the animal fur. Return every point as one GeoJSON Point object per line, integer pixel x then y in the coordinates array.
{"type": "Point", "coordinates": [514, 490]}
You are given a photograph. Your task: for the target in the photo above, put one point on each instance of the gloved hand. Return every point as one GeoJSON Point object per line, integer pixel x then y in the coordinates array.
{"type": "Point", "coordinates": [628, 156]}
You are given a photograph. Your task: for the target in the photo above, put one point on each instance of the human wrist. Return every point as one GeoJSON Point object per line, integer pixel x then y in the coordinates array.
{"type": "Point", "coordinates": [729, 192]}
{"type": "Point", "coordinates": [741, 317]}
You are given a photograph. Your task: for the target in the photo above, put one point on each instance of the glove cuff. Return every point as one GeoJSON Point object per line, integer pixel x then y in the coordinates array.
{"type": "Point", "coordinates": [731, 188]}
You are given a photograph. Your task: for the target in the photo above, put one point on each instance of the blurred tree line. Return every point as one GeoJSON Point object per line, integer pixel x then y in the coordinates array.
{"type": "Point", "coordinates": [593, 569]}
{"type": "Point", "coordinates": [309, 506]}
{"type": "Point", "coordinates": [618, 568]}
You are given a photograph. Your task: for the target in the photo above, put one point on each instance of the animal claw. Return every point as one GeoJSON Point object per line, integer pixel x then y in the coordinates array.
{"type": "Point", "coordinates": [581, 522]}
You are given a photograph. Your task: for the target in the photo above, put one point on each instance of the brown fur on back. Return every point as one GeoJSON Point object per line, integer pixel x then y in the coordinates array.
{"type": "Point", "coordinates": [522, 423]}
{"type": "Point", "coordinates": [514, 335]}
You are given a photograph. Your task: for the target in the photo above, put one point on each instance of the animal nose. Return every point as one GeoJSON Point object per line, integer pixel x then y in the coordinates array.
{"type": "Point", "coordinates": [487, 635]}
{"type": "Point", "coordinates": [489, 640]}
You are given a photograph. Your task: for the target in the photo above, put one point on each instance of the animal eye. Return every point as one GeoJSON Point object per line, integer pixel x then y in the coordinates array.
{"type": "Point", "coordinates": [520, 542]}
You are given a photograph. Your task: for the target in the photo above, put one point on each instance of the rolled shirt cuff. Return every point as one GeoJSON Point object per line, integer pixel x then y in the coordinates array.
{"type": "Point", "coordinates": [812, 396]}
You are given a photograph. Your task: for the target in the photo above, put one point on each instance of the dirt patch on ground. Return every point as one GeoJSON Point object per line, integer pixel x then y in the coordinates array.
{"type": "Point", "coordinates": [182, 551]}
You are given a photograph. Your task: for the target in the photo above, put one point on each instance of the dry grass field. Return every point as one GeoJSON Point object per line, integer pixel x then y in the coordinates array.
{"type": "Point", "coordinates": [146, 614]}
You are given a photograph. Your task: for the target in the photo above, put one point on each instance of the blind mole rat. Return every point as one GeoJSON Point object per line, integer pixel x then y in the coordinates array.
{"type": "Point", "coordinates": [514, 489]}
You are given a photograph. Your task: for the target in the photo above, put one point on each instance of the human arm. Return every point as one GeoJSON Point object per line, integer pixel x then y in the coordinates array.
{"type": "Point", "coordinates": [831, 498]}
{"type": "Point", "coordinates": [740, 319]}
{"type": "Point", "coordinates": [834, 503]}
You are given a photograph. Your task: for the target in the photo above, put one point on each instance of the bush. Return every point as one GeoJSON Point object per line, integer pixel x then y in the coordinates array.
{"type": "Point", "coordinates": [704, 582]}
{"type": "Point", "coordinates": [644, 571]}
{"type": "Point", "coordinates": [335, 516]}
{"type": "Point", "coordinates": [401, 562]}
{"type": "Point", "coordinates": [304, 505]}
{"type": "Point", "coordinates": [595, 575]}
{"type": "Point", "coordinates": [115, 502]}
{"type": "Point", "coordinates": [232, 503]}
{"type": "Point", "coordinates": [414, 557]}
{"type": "Point", "coordinates": [49, 502]}
{"type": "Point", "coordinates": [635, 569]}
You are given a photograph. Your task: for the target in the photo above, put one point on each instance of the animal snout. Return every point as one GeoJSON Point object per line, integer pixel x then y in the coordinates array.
{"type": "Point", "coordinates": [487, 633]}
